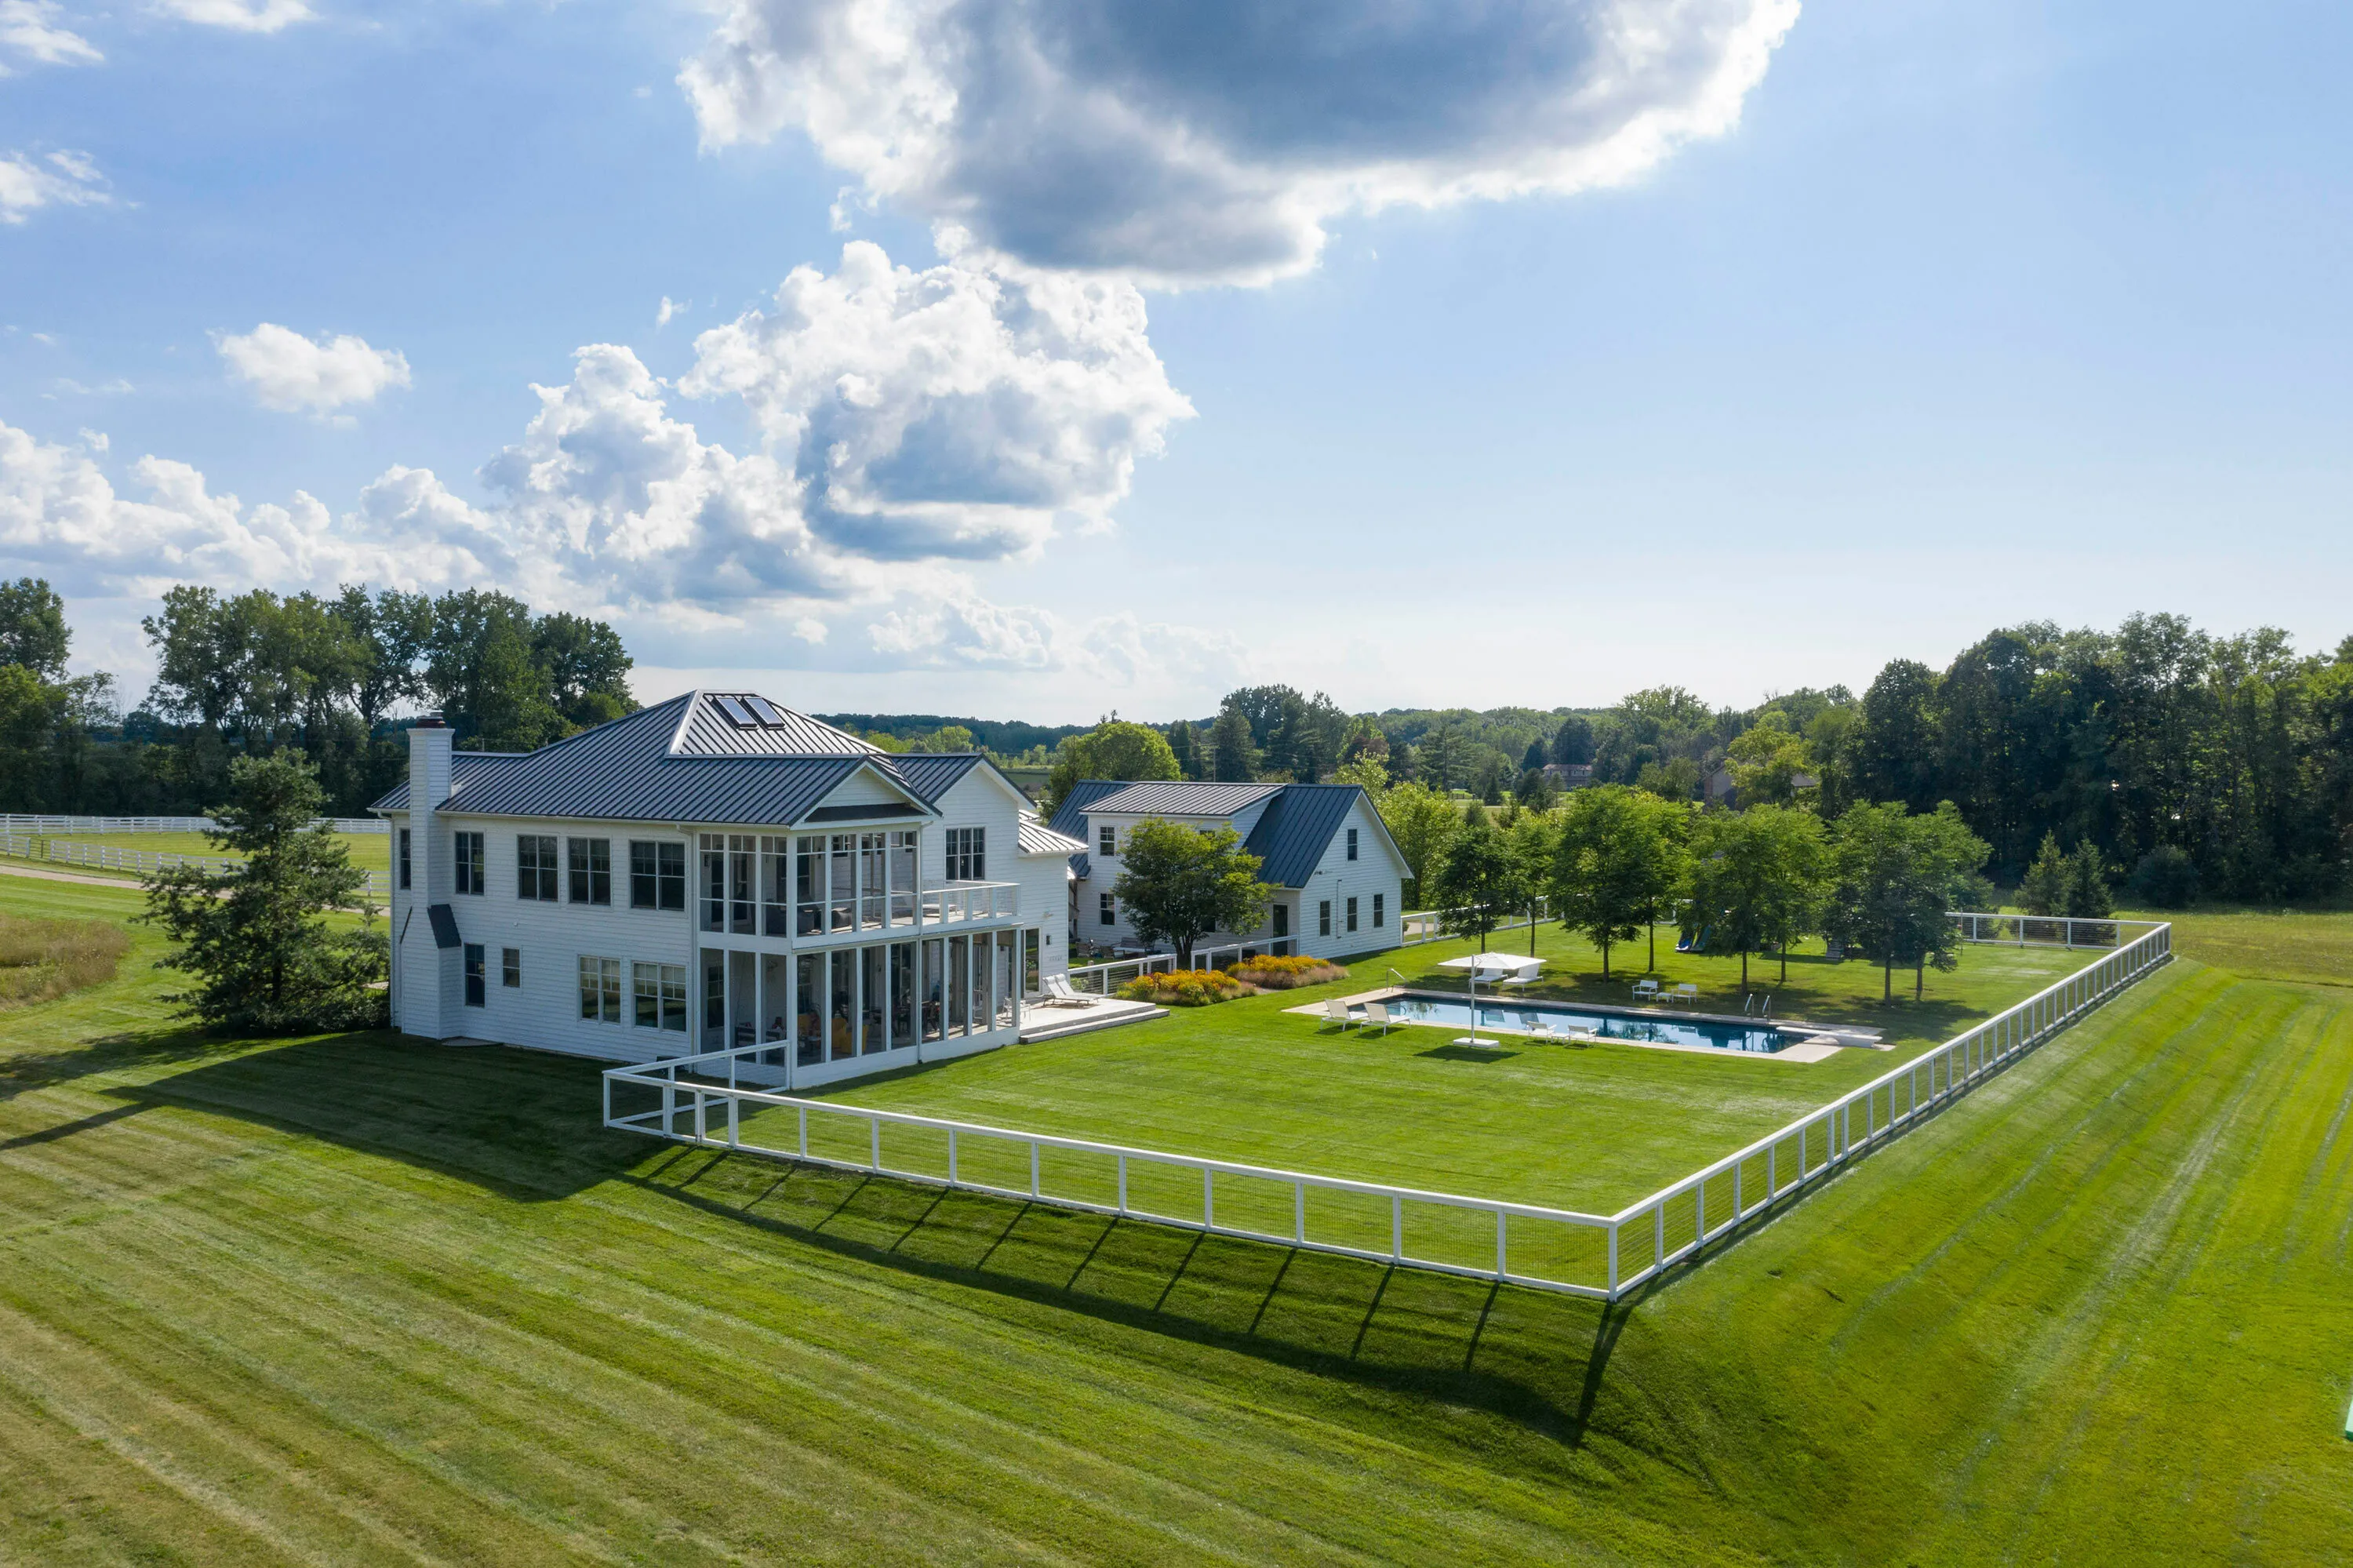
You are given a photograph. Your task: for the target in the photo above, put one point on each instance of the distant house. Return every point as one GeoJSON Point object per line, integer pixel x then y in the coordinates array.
{"type": "Point", "coordinates": [714, 871]}
{"type": "Point", "coordinates": [1722, 792]}
{"type": "Point", "coordinates": [1335, 872]}
{"type": "Point", "coordinates": [1569, 775]}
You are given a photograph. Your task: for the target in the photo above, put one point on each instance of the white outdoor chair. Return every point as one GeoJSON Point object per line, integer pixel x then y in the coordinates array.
{"type": "Point", "coordinates": [1646, 990]}
{"type": "Point", "coordinates": [1685, 993]}
{"type": "Point", "coordinates": [1341, 1012]}
{"type": "Point", "coordinates": [1536, 1026]}
{"type": "Point", "coordinates": [1060, 995]}
{"type": "Point", "coordinates": [1379, 1012]}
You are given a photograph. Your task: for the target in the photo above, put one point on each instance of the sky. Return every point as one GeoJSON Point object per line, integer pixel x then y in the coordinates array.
{"type": "Point", "coordinates": [1010, 359]}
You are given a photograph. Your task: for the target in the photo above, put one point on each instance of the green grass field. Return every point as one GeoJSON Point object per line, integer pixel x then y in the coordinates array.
{"type": "Point", "coordinates": [369, 851]}
{"type": "Point", "coordinates": [1591, 1129]}
{"type": "Point", "coordinates": [354, 1300]}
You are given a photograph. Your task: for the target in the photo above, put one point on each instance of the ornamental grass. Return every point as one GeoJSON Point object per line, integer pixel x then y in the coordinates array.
{"type": "Point", "coordinates": [1271, 973]}
{"type": "Point", "coordinates": [1186, 987]}
{"type": "Point", "coordinates": [43, 959]}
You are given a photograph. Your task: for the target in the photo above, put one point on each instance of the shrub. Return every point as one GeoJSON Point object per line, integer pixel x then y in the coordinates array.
{"type": "Point", "coordinates": [1186, 987]}
{"type": "Point", "coordinates": [1287, 974]}
{"type": "Point", "coordinates": [43, 959]}
{"type": "Point", "coordinates": [2166, 877]}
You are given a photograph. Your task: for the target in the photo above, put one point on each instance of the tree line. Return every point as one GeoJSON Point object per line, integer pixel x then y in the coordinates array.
{"type": "Point", "coordinates": [252, 674]}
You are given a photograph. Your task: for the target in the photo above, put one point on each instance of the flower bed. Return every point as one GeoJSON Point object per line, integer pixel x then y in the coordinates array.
{"type": "Point", "coordinates": [1186, 987]}
{"type": "Point", "coordinates": [1288, 974]}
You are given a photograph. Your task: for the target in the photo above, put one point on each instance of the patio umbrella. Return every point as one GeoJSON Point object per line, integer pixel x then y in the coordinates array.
{"type": "Point", "coordinates": [1488, 965]}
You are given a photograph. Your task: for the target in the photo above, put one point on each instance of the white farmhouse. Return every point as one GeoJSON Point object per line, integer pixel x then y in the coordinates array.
{"type": "Point", "coordinates": [1336, 871]}
{"type": "Point", "coordinates": [718, 871]}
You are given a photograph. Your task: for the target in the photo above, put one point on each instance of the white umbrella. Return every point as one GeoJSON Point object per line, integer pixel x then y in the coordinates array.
{"type": "Point", "coordinates": [1488, 966]}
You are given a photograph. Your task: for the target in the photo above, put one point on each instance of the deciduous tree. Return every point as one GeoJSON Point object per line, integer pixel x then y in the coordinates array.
{"type": "Point", "coordinates": [1178, 883]}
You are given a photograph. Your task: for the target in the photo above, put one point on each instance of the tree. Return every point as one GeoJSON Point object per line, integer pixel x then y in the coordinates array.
{"type": "Point", "coordinates": [1896, 874]}
{"type": "Point", "coordinates": [33, 627]}
{"type": "Point", "coordinates": [1619, 860]}
{"type": "Point", "coordinates": [1113, 749]}
{"type": "Point", "coordinates": [2044, 889]}
{"type": "Point", "coordinates": [253, 936]}
{"type": "Point", "coordinates": [1535, 838]}
{"type": "Point", "coordinates": [1185, 743]}
{"type": "Point", "coordinates": [1535, 790]}
{"type": "Point", "coordinates": [1178, 883]}
{"type": "Point", "coordinates": [1233, 756]}
{"type": "Point", "coordinates": [1758, 878]}
{"type": "Point", "coordinates": [1766, 761]}
{"type": "Point", "coordinates": [1572, 743]}
{"type": "Point", "coordinates": [1366, 773]}
{"type": "Point", "coordinates": [1423, 821]}
{"type": "Point", "coordinates": [1481, 879]}
{"type": "Point", "coordinates": [586, 670]}
{"type": "Point", "coordinates": [2088, 896]}
{"type": "Point", "coordinates": [1677, 779]}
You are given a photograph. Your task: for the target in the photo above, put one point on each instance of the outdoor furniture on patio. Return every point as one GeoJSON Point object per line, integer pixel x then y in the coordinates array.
{"type": "Point", "coordinates": [1646, 990]}
{"type": "Point", "coordinates": [1685, 993]}
{"type": "Point", "coordinates": [1341, 1012]}
{"type": "Point", "coordinates": [1379, 1012]}
{"type": "Point", "coordinates": [1060, 995]}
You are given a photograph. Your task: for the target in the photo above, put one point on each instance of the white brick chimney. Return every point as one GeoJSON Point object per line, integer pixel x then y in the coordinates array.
{"type": "Point", "coordinates": [429, 972]}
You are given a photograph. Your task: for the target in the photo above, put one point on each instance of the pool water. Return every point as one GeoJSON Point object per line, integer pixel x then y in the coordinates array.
{"type": "Point", "coordinates": [1760, 1039]}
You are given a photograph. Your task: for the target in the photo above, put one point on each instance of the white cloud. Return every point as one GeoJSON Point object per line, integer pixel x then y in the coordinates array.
{"type": "Point", "coordinates": [288, 371]}
{"type": "Point", "coordinates": [59, 179]}
{"type": "Point", "coordinates": [238, 16]}
{"type": "Point", "coordinates": [29, 32]}
{"type": "Point", "coordinates": [671, 310]}
{"type": "Point", "coordinates": [956, 412]}
{"type": "Point", "coordinates": [1215, 142]}
{"type": "Point", "coordinates": [969, 633]}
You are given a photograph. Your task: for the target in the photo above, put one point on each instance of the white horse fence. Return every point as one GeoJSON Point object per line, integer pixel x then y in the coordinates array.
{"type": "Point", "coordinates": [714, 1100]}
{"type": "Point", "coordinates": [41, 826]}
{"type": "Point", "coordinates": [109, 857]}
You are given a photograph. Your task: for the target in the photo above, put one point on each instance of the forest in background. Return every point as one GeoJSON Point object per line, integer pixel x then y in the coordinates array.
{"type": "Point", "coordinates": [2235, 752]}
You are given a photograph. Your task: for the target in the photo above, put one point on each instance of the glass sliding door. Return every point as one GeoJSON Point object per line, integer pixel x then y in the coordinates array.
{"type": "Point", "coordinates": [959, 984]}
{"type": "Point", "coordinates": [903, 995]}
{"type": "Point", "coordinates": [774, 967]}
{"type": "Point", "coordinates": [934, 988]}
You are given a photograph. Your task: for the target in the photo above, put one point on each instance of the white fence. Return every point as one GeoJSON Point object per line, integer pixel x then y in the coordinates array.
{"type": "Point", "coordinates": [1429, 924]}
{"type": "Point", "coordinates": [2045, 930]}
{"type": "Point", "coordinates": [20, 823]}
{"type": "Point", "coordinates": [106, 857]}
{"type": "Point", "coordinates": [1600, 1256]}
{"type": "Point", "coordinates": [1101, 980]}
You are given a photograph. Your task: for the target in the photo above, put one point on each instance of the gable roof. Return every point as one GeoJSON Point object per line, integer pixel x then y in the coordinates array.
{"type": "Point", "coordinates": [1297, 826]}
{"type": "Point", "coordinates": [687, 760]}
{"type": "Point", "coordinates": [1037, 838]}
{"type": "Point", "coordinates": [1170, 799]}
{"type": "Point", "coordinates": [1070, 816]}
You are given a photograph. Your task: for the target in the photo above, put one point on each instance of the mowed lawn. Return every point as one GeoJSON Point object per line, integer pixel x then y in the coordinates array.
{"type": "Point", "coordinates": [1591, 1129]}
{"type": "Point", "coordinates": [355, 1300]}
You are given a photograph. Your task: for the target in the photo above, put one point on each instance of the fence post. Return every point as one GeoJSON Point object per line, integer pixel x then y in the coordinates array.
{"type": "Point", "coordinates": [1033, 1166]}
{"type": "Point", "coordinates": [1396, 1236]}
{"type": "Point", "coordinates": [1613, 1260]}
{"type": "Point", "coordinates": [1122, 1183]}
{"type": "Point", "coordinates": [1500, 1269]}
{"type": "Point", "coordinates": [1299, 1212]}
{"type": "Point", "coordinates": [804, 1132]}
{"type": "Point", "coordinates": [874, 1143]}
{"type": "Point", "coordinates": [952, 1158]}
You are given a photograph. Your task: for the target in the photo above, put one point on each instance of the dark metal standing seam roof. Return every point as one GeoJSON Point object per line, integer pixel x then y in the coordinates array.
{"type": "Point", "coordinates": [626, 771]}
{"type": "Point", "coordinates": [1070, 816]}
{"type": "Point", "coordinates": [1296, 828]}
{"type": "Point", "coordinates": [708, 732]}
{"type": "Point", "coordinates": [1037, 838]}
{"type": "Point", "coordinates": [1170, 799]}
{"type": "Point", "coordinates": [465, 767]}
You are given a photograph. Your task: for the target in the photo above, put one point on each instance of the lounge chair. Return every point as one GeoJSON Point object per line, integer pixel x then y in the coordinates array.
{"type": "Point", "coordinates": [1646, 990]}
{"type": "Point", "coordinates": [1379, 1012]}
{"type": "Point", "coordinates": [1060, 995]}
{"type": "Point", "coordinates": [1342, 1012]}
{"type": "Point", "coordinates": [1537, 1026]}
{"type": "Point", "coordinates": [1684, 992]}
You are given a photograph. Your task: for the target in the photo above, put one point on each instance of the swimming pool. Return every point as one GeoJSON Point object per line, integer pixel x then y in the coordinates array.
{"type": "Point", "coordinates": [1634, 1028]}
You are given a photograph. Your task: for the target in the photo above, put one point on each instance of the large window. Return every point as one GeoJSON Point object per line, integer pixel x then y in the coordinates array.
{"type": "Point", "coordinates": [591, 864]}
{"type": "Point", "coordinates": [661, 996]}
{"type": "Point", "coordinates": [535, 867]}
{"type": "Point", "coordinates": [967, 854]}
{"type": "Point", "coordinates": [808, 884]}
{"type": "Point", "coordinates": [475, 984]}
{"type": "Point", "coordinates": [468, 862]}
{"type": "Point", "coordinates": [511, 968]}
{"type": "Point", "coordinates": [1110, 907]}
{"type": "Point", "coordinates": [600, 991]}
{"type": "Point", "coordinates": [1107, 840]}
{"type": "Point", "coordinates": [657, 874]}
{"type": "Point", "coordinates": [404, 857]}
{"type": "Point", "coordinates": [730, 868]}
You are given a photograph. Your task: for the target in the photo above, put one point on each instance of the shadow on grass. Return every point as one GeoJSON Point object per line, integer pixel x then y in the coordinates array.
{"type": "Point", "coordinates": [1468, 1054]}
{"type": "Point", "coordinates": [22, 1072]}
{"type": "Point", "coordinates": [1532, 1356]}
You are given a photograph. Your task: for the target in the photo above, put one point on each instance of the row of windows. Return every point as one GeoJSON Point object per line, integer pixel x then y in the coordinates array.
{"type": "Point", "coordinates": [1107, 840]}
{"type": "Point", "coordinates": [657, 993]}
{"type": "Point", "coordinates": [1323, 914]}
{"type": "Point", "coordinates": [478, 980]}
{"type": "Point", "coordinates": [657, 869]}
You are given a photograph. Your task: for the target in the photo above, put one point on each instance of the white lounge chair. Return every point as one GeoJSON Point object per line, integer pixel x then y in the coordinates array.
{"type": "Point", "coordinates": [1646, 990]}
{"type": "Point", "coordinates": [1379, 1012]}
{"type": "Point", "coordinates": [1685, 993]}
{"type": "Point", "coordinates": [1341, 1012]}
{"type": "Point", "coordinates": [1536, 1025]}
{"type": "Point", "coordinates": [1060, 995]}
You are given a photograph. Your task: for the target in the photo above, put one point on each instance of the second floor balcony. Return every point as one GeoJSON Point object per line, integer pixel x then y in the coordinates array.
{"type": "Point", "coordinates": [815, 887]}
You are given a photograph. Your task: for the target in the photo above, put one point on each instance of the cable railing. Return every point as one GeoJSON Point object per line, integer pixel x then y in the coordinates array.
{"type": "Point", "coordinates": [715, 1100]}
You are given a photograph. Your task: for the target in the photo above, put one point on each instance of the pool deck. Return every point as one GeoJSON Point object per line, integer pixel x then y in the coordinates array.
{"type": "Point", "coordinates": [1822, 1041]}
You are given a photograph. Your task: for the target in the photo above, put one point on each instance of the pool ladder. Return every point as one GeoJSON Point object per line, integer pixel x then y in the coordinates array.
{"type": "Point", "coordinates": [1749, 1007]}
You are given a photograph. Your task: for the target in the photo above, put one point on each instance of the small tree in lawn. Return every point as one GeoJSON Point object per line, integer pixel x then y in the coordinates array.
{"type": "Point", "coordinates": [1481, 880]}
{"type": "Point", "coordinates": [2044, 889]}
{"type": "Point", "coordinates": [1423, 821]}
{"type": "Point", "coordinates": [1178, 884]}
{"type": "Point", "coordinates": [254, 937]}
{"type": "Point", "coordinates": [1535, 837]}
{"type": "Point", "coordinates": [1757, 876]}
{"type": "Point", "coordinates": [1620, 859]}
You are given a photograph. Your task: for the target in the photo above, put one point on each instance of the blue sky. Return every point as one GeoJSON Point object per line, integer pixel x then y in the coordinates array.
{"type": "Point", "coordinates": [1955, 316]}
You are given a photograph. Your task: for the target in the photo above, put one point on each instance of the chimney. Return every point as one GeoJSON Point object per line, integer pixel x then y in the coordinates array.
{"type": "Point", "coordinates": [424, 988]}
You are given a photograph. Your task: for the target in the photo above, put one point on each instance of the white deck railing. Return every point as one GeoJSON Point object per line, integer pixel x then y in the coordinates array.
{"type": "Point", "coordinates": [1599, 1256]}
{"type": "Point", "coordinates": [106, 857]}
{"type": "Point", "coordinates": [947, 902]}
{"type": "Point", "coordinates": [2045, 930]}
